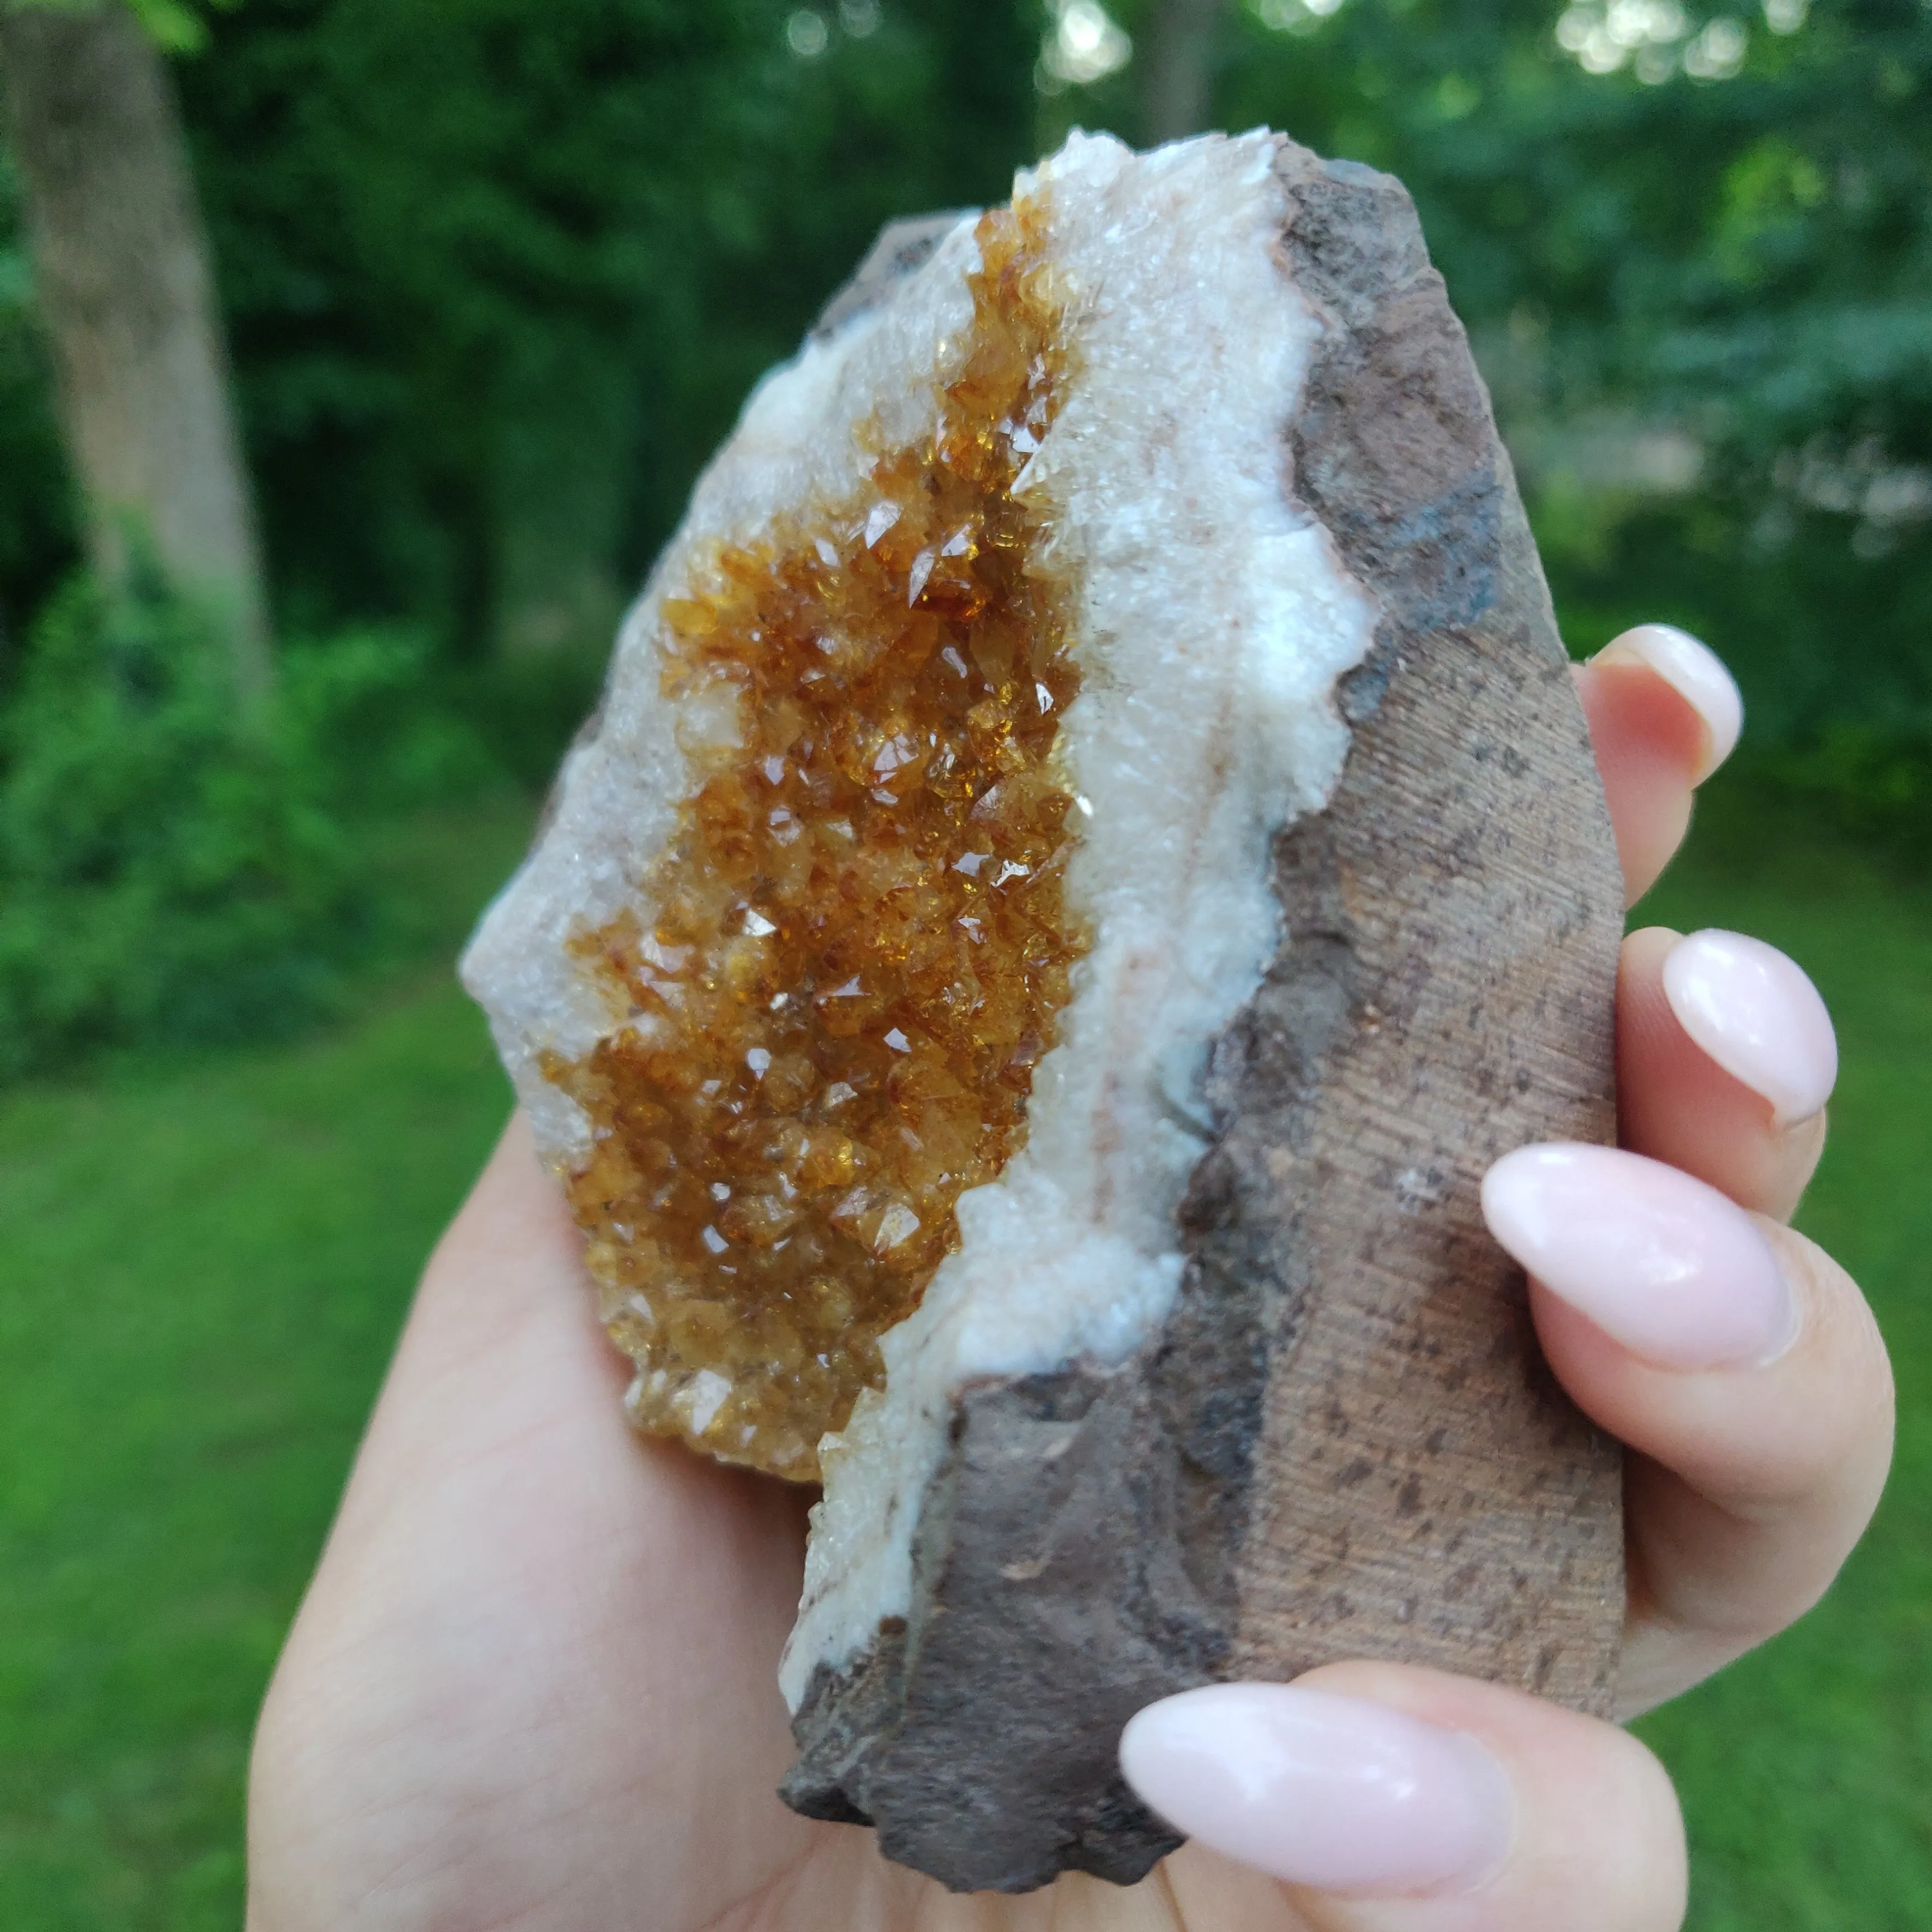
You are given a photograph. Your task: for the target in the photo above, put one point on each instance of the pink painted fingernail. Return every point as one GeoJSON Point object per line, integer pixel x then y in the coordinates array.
{"type": "Point", "coordinates": [1757, 1015]}
{"type": "Point", "coordinates": [1698, 676]}
{"type": "Point", "coordinates": [1329, 1792]}
{"type": "Point", "coordinates": [1662, 1264]}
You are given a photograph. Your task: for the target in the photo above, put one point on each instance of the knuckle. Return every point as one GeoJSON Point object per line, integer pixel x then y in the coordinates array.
{"type": "Point", "coordinates": [1837, 1375]}
{"type": "Point", "coordinates": [1616, 1863]}
{"type": "Point", "coordinates": [1841, 1336]}
{"type": "Point", "coordinates": [1642, 1867]}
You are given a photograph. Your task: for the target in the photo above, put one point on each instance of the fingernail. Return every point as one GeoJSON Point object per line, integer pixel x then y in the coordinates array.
{"type": "Point", "coordinates": [1697, 674]}
{"type": "Point", "coordinates": [1757, 1015]}
{"type": "Point", "coordinates": [1322, 1790]}
{"type": "Point", "coordinates": [1660, 1262]}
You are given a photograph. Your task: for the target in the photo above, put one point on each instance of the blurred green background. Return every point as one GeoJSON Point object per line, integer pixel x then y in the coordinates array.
{"type": "Point", "coordinates": [492, 276]}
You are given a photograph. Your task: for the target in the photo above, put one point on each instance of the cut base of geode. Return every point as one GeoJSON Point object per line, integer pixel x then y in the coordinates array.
{"type": "Point", "coordinates": [1092, 1039]}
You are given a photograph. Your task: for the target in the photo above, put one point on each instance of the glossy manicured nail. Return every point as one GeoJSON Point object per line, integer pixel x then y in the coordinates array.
{"type": "Point", "coordinates": [1333, 1793]}
{"type": "Point", "coordinates": [1660, 1262]}
{"type": "Point", "coordinates": [1757, 1015]}
{"type": "Point", "coordinates": [1697, 673]}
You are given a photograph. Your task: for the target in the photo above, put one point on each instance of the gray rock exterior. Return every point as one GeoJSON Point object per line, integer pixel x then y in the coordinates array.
{"type": "Point", "coordinates": [1343, 1442]}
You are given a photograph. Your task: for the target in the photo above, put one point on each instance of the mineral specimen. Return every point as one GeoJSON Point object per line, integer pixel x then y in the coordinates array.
{"type": "Point", "coordinates": [1088, 851]}
{"type": "Point", "coordinates": [858, 941]}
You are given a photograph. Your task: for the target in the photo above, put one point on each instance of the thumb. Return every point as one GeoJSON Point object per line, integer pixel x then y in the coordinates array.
{"type": "Point", "coordinates": [1386, 1798]}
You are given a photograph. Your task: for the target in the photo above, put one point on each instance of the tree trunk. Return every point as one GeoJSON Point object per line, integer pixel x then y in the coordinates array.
{"type": "Point", "coordinates": [1176, 73]}
{"type": "Point", "coordinates": [123, 282]}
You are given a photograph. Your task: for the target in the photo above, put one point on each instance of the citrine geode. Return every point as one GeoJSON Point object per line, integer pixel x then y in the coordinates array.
{"type": "Point", "coordinates": [1088, 850]}
{"type": "Point", "coordinates": [848, 958]}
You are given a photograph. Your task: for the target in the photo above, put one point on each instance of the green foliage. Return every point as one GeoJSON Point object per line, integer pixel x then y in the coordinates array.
{"type": "Point", "coordinates": [1834, 649]}
{"type": "Point", "coordinates": [174, 868]}
{"type": "Point", "coordinates": [178, 26]}
{"type": "Point", "coordinates": [499, 274]}
{"type": "Point", "coordinates": [1868, 781]}
{"type": "Point", "coordinates": [526, 707]}
{"type": "Point", "coordinates": [1745, 263]}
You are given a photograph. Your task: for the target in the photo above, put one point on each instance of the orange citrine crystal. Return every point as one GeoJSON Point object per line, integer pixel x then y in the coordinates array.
{"type": "Point", "coordinates": [859, 941]}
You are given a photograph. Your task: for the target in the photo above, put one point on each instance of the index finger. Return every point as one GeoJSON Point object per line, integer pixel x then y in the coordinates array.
{"type": "Point", "coordinates": [1664, 714]}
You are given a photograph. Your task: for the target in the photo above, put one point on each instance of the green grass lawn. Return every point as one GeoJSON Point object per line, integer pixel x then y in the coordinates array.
{"type": "Point", "coordinates": [202, 1265]}
{"type": "Point", "coordinates": [1807, 1769]}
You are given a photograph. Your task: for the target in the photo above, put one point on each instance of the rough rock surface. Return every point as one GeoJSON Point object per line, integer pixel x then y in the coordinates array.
{"type": "Point", "coordinates": [1343, 1441]}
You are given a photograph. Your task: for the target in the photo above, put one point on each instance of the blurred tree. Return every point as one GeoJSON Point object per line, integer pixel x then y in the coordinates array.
{"type": "Point", "coordinates": [500, 273]}
{"type": "Point", "coordinates": [1176, 76]}
{"type": "Point", "coordinates": [122, 274]}
{"type": "Point", "coordinates": [38, 539]}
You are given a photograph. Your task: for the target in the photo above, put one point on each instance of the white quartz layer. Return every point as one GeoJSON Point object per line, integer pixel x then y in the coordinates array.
{"type": "Point", "coordinates": [1212, 619]}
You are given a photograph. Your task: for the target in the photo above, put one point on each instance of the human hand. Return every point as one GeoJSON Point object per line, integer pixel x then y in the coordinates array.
{"type": "Point", "coordinates": [532, 1685]}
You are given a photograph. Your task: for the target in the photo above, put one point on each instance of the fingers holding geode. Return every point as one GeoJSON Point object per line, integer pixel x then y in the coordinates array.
{"type": "Point", "coordinates": [1664, 714]}
{"type": "Point", "coordinates": [1387, 1799]}
{"type": "Point", "coordinates": [1738, 1362]}
{"type": "Point", "coordinates": [531, 1632]}
{"type": "Point", "coordinates": [1726, 1057]}
{"type": "Point", "coordinates": [1751, 1487]}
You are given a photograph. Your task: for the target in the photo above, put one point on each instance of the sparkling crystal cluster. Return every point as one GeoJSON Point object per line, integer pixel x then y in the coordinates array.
{"type": "Point", "coordinates": [858, 941]}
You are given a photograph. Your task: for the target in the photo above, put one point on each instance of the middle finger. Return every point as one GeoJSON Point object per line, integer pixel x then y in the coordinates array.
{"type": "Point", "coordinates": [1725, 1058]}
{"type": "Point", "coordinates": [1740, 1365]}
